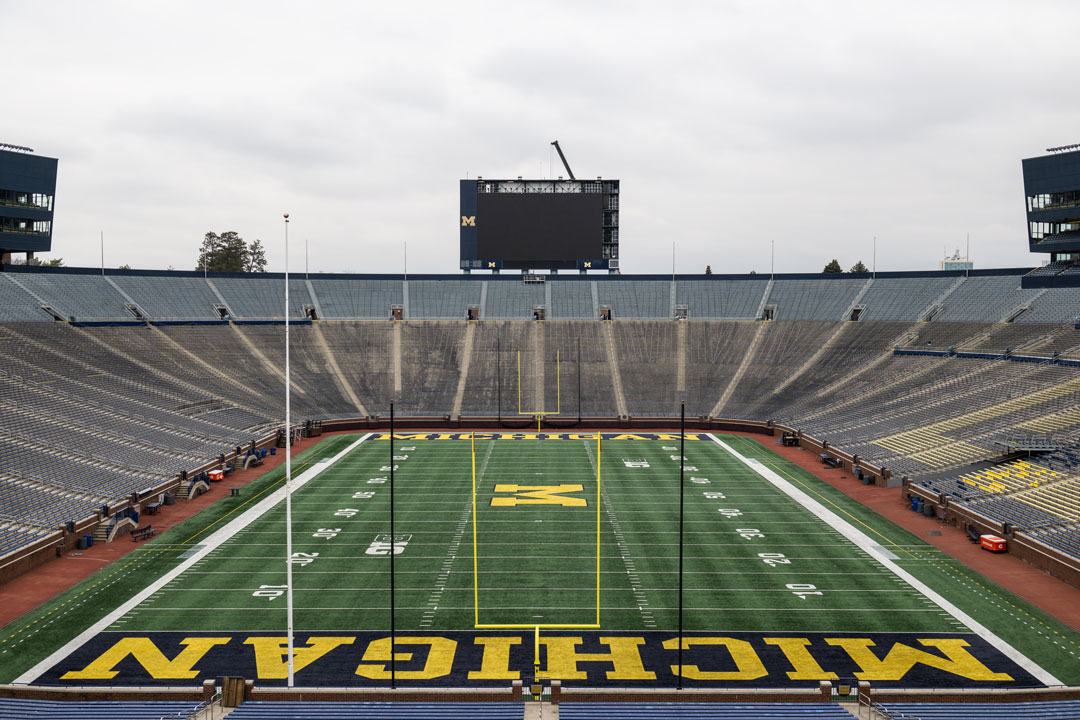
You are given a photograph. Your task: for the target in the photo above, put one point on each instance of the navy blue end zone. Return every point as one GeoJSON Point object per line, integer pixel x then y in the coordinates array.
{"type": "Point", "coordinates": [577, 658]}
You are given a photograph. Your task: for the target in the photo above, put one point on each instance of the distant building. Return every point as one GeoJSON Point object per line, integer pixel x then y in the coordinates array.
{"type": "Point", "coordinates": [955, 262]}
{"type": "Point", "coordinates": [27, 189]}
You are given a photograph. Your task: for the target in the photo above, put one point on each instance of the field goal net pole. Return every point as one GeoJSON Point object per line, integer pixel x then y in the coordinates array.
{"type": "Point", "coordinates": [558, 392]}
{"type": "Point", "coordinates": [476, 573]}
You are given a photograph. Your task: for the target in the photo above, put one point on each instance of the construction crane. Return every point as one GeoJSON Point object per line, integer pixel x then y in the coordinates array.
{"type": "Point", "coordinates": [563, 158]}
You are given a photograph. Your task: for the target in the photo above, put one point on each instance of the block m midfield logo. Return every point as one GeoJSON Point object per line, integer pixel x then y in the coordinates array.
{"type": "Point", "coordinates": [538, 495]}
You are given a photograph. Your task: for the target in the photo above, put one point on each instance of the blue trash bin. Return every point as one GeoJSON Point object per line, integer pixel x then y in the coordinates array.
{"type": "Point", "coordinates": [273, 451]}
{"type": "Point", "coordinates": [915, 504]}
{"type": "Point", "coordinates": [89, 540]}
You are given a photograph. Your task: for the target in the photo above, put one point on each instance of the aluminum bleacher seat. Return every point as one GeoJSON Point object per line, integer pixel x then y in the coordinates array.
{"type": "Point", "coordinates": [511, 299]}
{"type": "Point", "coordinates": [571, 299]}
{"type": "Point", "coordinates": [824, 299]}
{"type": "Point", "coordinates": [1048, 710]}
{"type": "Point", "coordinates": [902, 298]}
{"type": "Point", "coordinates": [1055, 305]}
{"type": "Point", "coordinates": [721, 299]}
{"type": "Point", "coordinates": [441, 299]}
{"type": "Point", "coordinates": [987, 298]}
{"type": "Point", "coordinates": [370, 299]}
{"type": "Point", "coordinates": [84, 297]}
{"type": "Point", "coordinates": [173, 298]}
{"type": "Point", "coordinates": [16, 304]}
{"type": "Point", "coordinates": [636, 298]}
{"type": "Point", "coordinates": [401, 710]}
{"type": "Point", "coordinates": [261, 298]}
{"type": "Point", "coordinates": [25, 709]}
{"type": "Point", "coordinates": [699, 711]}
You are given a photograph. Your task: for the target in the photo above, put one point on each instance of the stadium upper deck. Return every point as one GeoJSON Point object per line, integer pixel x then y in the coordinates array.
{"type": "Point", "coordinates": [33, 294]}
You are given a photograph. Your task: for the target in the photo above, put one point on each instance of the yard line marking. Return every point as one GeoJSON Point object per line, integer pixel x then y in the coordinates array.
{"type": "Point", "coordinates": [211, 543]}
{"type": "Point", "coordinates": [455, 545]}
{"type": "Point", "coordinates": [861, 540]}
{"type": "Point", "coordinates": [624, 553]}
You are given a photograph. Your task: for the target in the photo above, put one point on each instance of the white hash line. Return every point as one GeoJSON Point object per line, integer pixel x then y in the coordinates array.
{"type": "Point", "coordinates": [208, 545]}
{"type": "Point", "coordinates": [861, 540]}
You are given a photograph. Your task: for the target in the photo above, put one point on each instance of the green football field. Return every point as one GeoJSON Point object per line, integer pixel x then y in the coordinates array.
{"type": "Point", "coordinates": [774, 560]}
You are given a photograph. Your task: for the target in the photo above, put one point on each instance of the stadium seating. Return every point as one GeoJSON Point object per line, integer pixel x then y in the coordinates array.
{"type": "Point", "coordinates": [95, 413]}
{"type": "Point", "coordinates": [700, 711]}
{"type": "Point", "coordinates": [440, 299]}
{"type": "Point", "coordinates": [637, 298]}
{"type": "Point", "coordinates": [379, 711]}
{"type": "Point", "coordinates": [903, 298]}
{"type": "Point", "coordinates": [349, 300]}
{"type": "Point", "coordinates": [18, 709]}
{"type": "Point", "coordinates": [989, 711]}
{"type": "Point", "coordinates": [175, 298]}
{"type": "Point", "coordinates": [721, 299]}
{"type": "Point", "coordinates": [984, 299]}
{"type": "Point", "coordinates": [823, 299]}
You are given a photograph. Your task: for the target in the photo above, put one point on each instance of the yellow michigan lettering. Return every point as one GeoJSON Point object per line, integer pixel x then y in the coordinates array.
{"type": "Point", "coordinates": [439, 663]}
{"type": "Point", "coordinates": [748, 665]}
{"type": "Point", "coordinates": [271, 652]}
{"type": "Point", "coordinates": [538, 495]}
{"type": "Point", "coordinates": [495, 663]}
{"type": "Point", "coordinates": [625, 658]}
{"type": "Point", "coordinates": [901, 658]}
{"type": "Point", "coordinates": [147, 654]}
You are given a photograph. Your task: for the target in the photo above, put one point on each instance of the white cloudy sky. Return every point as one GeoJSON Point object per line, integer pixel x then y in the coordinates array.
{"type": "Point", "coordinates": [817, 125]}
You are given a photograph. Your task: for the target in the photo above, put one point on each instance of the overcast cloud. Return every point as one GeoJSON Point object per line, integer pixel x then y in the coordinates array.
{"type": "Point", "coordinates": [817, 125]}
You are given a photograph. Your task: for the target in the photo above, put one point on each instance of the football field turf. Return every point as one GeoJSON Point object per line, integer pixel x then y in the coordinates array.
{"type": "Point", "coordinates": [785, 580]}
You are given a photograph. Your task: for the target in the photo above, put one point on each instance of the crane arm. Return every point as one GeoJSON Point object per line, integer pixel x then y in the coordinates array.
{"type": "Point", "coordinates": [563, 158]}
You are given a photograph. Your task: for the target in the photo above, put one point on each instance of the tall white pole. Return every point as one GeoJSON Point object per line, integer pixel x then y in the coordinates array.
{"type": "Point", "coordinates": [405, 258]}
{"type": "Point", "coordinates": [305, 263]}
{"type": "Point", "coordinates": [874, 261]}
{"type": "Point", "coordinates": [288, 469]}
{"type": "Point", "coordinates": [103, 253]}
{"type": "Point", "coordinates": [772, 259]}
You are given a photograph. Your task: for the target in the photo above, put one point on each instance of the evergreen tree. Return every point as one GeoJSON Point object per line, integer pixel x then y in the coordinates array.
{"type": "Point", "coordinates": [859, 268]}
{"type": "Point", "coordinates": [833, 267]}
{"type": "Point", "coordinates": [228, 252]}
{"type": "Point", "coordinates": [708, 269]}
{"type": "Point", "coordinates": [255, 258]}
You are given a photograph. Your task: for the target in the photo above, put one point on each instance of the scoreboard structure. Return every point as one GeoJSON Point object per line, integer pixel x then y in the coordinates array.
{"type": "Point", "coordinates": [540, 225]}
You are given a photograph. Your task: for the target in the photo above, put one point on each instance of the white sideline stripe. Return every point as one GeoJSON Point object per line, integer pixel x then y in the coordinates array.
{"type": "Point", "coordinates": [864, 542]}
{"type": "Point", "coordinates": [208, 545]}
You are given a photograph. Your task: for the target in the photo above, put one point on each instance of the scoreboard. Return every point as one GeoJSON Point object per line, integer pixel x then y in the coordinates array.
{"type": "Point", "coordinates": [539, 224]}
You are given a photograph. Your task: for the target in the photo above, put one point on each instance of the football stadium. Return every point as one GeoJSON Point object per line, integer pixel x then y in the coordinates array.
{"type": "Point", "coordinates": [510, 494]}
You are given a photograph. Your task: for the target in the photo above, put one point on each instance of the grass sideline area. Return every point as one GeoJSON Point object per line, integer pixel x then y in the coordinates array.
{"type": "Point", "coordinates": [776, 592]}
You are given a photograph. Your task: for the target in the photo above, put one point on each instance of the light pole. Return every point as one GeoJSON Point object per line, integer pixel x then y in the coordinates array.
{"type": "Point", "coordinates": [288, 470]}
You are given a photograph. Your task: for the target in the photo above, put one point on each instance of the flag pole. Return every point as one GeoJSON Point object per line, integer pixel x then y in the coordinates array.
{"type": "Point", "coordinates": [393, 551]}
